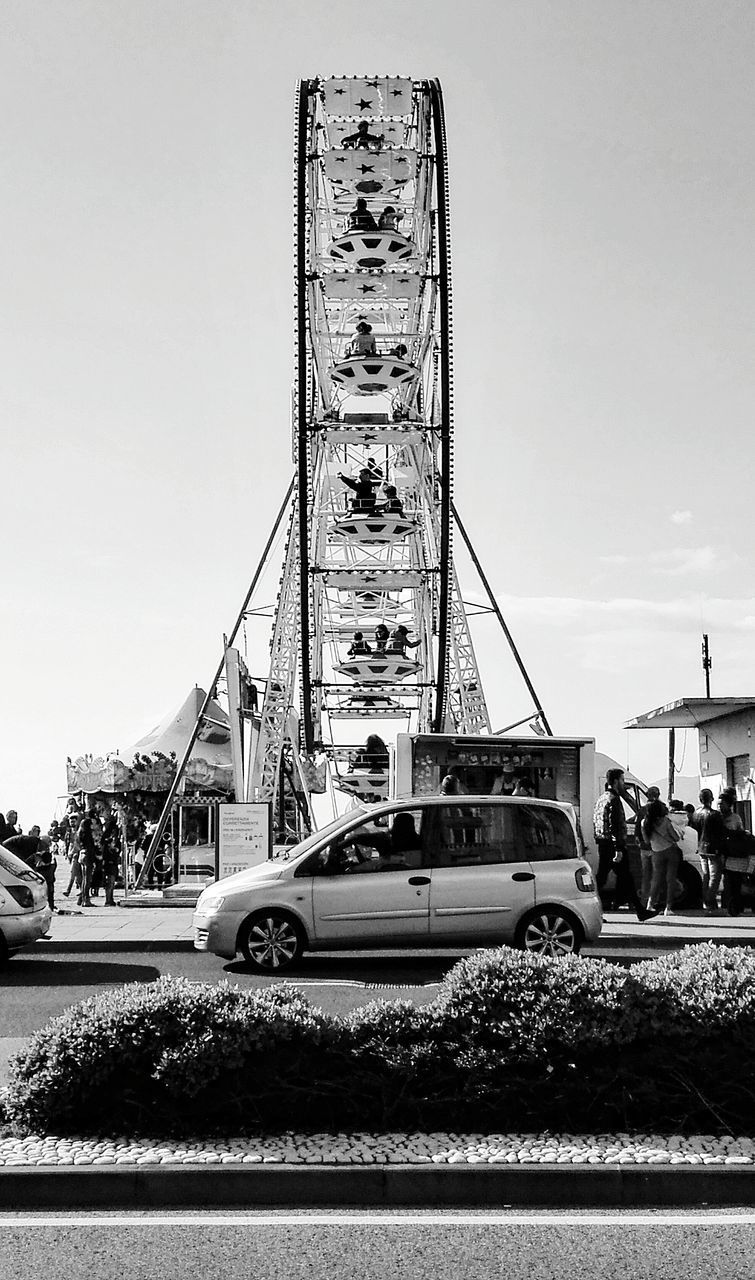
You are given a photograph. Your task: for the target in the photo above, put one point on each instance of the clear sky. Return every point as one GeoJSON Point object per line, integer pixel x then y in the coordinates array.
{"type": "Point", "coordinates": [601, 159]}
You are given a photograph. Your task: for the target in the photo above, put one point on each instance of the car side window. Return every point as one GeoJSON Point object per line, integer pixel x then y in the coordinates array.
{"type": "Point", "coordinates": [356, 852]}
{"type": "Point", "coordinates": [545, 835]}
{"type": "Point", "coordinates": [471, 835]}
{"type": "Point", "coordinates": [394, 846]}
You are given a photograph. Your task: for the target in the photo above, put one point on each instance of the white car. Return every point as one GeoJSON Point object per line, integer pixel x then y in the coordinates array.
{"type": "Point", "coordinates": [25, 913]}
{"type": "Point", "coordinates": [424, 872]}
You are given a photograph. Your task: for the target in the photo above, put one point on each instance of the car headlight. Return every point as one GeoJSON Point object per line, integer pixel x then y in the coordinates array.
{"type": "Point", "coordinates": [209, 905]}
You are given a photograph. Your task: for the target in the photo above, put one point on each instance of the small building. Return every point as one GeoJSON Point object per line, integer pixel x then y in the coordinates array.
{"type": "Point", "coordinates": [724, 733]}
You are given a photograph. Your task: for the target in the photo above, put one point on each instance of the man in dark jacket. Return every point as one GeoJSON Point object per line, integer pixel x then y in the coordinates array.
{"type": "Point", "coordinates": [610, 826]}
{"type": "Point", "coordinates": [709, 825]}
{"type": "Point", "coordinates": [111, 856]}
{"type": "Point", "coordinates": [364, 488]}
{"type": "Point", "coordinates": [87, 857]}
{"type": "Point", "coordinates": [8, 826]}
{"type": "Point", "coordinates": [27, 848]}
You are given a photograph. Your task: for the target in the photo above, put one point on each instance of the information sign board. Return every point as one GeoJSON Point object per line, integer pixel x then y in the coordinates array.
{"type": "Point", "coordinates": [244, 837]}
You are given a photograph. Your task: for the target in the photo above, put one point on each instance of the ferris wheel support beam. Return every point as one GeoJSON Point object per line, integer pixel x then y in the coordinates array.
{"type": "Point", "coordinates": [201, 715]}
{"type": "Point", "coordinates": [502, 622]}
{"type": "Point", "coordinates": [303, 232]}
{"type": "Point", "coordinates": [446, 425]}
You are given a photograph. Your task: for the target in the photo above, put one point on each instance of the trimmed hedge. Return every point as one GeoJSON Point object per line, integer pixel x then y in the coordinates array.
{"type": "Point", "coordinates": [511, 1042]}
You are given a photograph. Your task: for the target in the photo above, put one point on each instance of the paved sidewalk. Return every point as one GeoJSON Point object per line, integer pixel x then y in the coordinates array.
{"type": "Point", "coordinates": [117, 928]}
{"type": "Point", "coordinates": [431, 1169]}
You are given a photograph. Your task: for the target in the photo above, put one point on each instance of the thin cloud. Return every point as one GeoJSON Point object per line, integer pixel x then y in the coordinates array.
{"type": "Point", "coordinates": [674, 560]}
{"type": "Point", "coordinates": [680, 560]}
{"type": "Point", "coordinates": [680, 613]}
{"type": "Point", "coordinates": [680, 517]}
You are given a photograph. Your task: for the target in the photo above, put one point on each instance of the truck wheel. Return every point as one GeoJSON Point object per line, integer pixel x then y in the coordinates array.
{"type": "Point", "coordinates": [690, 891]}
{"type": "Point", "coordinates": [549, 931]}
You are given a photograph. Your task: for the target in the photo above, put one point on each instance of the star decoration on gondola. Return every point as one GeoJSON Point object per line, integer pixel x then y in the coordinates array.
{"type": "Point", "coordinates": [366, 288]}
{"type": "Point", "coordinates": [340, 159]}
{"type": "Point", "coordinates": [397, 93]}
{"type": "Point", "coordinates": [366, 168]}
{"type": "Point", "coordinates": [363, 104]}
{"type": "Point", "coordinates": [371, 84]}
{"type": "Point", "coordinates": [340, 92]}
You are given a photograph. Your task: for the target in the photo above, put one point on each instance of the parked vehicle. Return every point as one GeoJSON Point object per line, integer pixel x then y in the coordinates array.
{"type": "Point", "coordinates": [25, 913]}
{"type": "Point", "coordinates": [427, 871]}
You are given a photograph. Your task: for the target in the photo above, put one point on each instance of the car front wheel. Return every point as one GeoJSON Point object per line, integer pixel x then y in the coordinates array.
{"type": "Point", "coordinates": [271, 942]}
{"type": "Point", "coordinates": [549, 931]}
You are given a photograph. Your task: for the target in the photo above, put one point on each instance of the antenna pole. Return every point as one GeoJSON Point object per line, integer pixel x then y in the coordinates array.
{"type": "Point", "coordinates": [707, 664]}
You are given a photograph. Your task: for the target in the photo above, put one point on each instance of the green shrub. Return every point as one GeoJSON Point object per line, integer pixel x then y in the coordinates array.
{"type": "Point", "coordinates": [139, 1056]}
{"type": "Point", "coordinates": [523, 1008]}
{"type": "Point", "coordinates": [511, 1040]}
{"type": "Point", "coordinates": [694, 993]}
{"type": "Point", "coordinates": [265, 1060]}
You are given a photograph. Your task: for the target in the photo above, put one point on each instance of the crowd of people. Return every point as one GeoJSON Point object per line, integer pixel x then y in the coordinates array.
{"type": "Point", "coordinates": [723, 846]}
{"type": "Point", "coordinates": [90, 840]}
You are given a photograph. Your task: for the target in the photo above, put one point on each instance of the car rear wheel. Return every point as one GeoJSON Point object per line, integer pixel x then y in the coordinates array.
{"type": "Point", "coordinates": [271, 941]}
{"type": "Point", "coordinates": [549, 931]}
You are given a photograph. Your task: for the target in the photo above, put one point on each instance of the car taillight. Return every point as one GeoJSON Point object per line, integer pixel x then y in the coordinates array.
{"type": "Point", "coordinates": [585, 882]}
{"type": "Point", "coordinates": [24, 897]}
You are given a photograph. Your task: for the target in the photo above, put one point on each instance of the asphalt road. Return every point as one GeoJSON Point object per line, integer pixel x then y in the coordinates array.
{"type": "Point", "coordinates": [379, 1246]}
{"type": "Point", "coordinates": [36, 986]}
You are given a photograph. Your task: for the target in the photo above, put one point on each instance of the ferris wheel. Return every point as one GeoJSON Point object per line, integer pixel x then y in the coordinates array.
{"type": "Point", "coordinates": [370, 624]}
{"type": "Point", "coordinates": [369, 627]}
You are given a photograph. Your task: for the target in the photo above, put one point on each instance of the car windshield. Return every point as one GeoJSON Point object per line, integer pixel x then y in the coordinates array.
{"type": "Point", "coordinates": [358, 812]}
{"type": "Point", "coordinates": [16, 866]}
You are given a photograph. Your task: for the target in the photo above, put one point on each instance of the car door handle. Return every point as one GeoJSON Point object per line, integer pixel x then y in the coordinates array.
{"type": "Point", "coordinates": [523, 875]}
{"type": "Point", "coordinates": [419, 879]}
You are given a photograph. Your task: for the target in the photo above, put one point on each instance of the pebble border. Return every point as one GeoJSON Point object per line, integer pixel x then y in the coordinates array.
{"type": "Point", "coordinates": [384, 1148]}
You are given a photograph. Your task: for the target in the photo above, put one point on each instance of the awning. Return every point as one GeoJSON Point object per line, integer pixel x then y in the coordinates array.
{"type": "Point", "coordinates": [690, 713]}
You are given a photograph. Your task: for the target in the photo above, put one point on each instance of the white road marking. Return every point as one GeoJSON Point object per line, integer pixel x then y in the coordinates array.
{"type": "Point", "coordinates": [144, 1218]}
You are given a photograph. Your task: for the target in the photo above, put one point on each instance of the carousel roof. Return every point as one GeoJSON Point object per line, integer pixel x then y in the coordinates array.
{"type": "Point", "coordinates": [173, 732]}
{"type": "Point", "coordinates": [150, 763]}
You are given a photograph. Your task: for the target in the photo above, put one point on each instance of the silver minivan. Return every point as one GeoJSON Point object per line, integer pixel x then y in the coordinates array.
{"type": "Point", "coordinates": [25, 913]}
{"type": "Point", "coordinates": [428, 871]}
